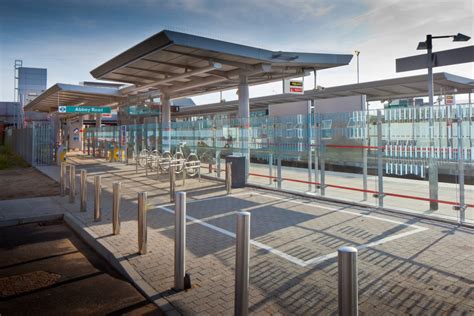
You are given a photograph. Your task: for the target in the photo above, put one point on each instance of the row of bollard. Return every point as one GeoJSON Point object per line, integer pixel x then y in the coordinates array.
{"type": "Point", "coordinates": [347, 256]}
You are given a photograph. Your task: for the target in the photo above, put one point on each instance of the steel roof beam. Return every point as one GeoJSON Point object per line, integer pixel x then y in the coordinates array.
{"type": "Point", "coordinates": [211, 67]}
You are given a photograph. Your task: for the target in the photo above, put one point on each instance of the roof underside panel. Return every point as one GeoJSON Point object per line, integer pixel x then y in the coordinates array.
{"type": "Point", "coordinates": [180, 64]}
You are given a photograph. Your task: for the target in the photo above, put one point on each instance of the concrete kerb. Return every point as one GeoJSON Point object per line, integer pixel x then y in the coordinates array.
{"type": "Point", "coordinates": [107, 251]}
{"type": "Point", "coordinates": [30, 219]}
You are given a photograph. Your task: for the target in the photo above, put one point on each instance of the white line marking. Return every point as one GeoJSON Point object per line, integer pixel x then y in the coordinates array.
{"type": "Point", "coordinates": [286, 256]}
{"type": "Point", "coordinates": [231, 234]}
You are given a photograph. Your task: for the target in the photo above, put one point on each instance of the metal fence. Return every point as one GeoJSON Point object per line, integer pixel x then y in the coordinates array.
{"type": "Point", "coordinates": [379, 158]}
{"type": "Point", "coordinates": [35, 143]}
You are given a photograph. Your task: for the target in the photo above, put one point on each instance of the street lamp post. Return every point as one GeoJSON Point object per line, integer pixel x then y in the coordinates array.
{"type": "Point", "coordinates": [433, 167]}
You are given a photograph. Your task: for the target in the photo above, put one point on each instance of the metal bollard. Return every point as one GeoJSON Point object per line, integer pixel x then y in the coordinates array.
{"type": "Point", "coordinates": [347, 281]}
{"type": "Point", "coordinates": [72, 183]}
{"type": "Point", "coordinates": [242, 264]}
{"type": "Point", "coordinates": [180, 241]}
{"type": "Point", "coordinates": [172, 181]}
{"type": "Point", "coordinates": [116, 207]}
{"type": "Point", "coordinates": [83, 190]}
{"type": "Point", "coordinates": [62, 178]}
{"type": "Point", "coordinates": [97, 201]}
{"type": "Point", "coordinates": [142, 209]}
{"type": "Point", "coordinates": [228, 177]}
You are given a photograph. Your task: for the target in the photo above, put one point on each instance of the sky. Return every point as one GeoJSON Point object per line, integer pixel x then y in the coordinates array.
{"type": "Point", "coordinates": [72, 37]}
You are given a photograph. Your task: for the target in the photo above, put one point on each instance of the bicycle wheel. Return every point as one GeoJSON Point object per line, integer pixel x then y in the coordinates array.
{"type": "Point", "coordinates": [165, 161]}
{"type": "Point", "coordinates": [155, 156]}
{"type": "Point", "coordinates": [193, 167]}
{"type": "Point", "coordinates": [142, 158]}
{"type": "Point", "coordinates": [179, 158]}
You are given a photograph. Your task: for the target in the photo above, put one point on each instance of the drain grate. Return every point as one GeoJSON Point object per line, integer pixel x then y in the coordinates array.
{"type": "Point", "coordinates": [27, 282]}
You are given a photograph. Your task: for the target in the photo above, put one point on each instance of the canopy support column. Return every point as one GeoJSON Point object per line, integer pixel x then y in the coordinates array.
{"type": "Point", "coordinates": [244, 114]}
{"type": "Point", "coordinates": [166, 122]}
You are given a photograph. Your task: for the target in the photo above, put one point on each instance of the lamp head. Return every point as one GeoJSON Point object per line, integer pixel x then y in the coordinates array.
{"type": "Point", "coordinates": [422, 45]}
{"type": "Point", "coordinates": [461, 38]}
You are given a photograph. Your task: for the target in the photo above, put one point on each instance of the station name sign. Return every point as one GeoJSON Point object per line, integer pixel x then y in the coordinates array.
{"type": "Point", "coordinates": [293, 86]}
{"type": "Point", "coordinates": [83, 109]}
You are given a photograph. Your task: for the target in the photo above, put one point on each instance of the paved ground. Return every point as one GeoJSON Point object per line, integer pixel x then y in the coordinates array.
{"type": "Point", "coordinates": [47, 270]}
{"type": "Point", "coordinates": [406, 265]}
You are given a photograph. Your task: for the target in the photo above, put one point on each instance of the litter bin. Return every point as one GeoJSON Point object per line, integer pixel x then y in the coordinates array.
{"type": "Point", "coordinates": [238, 170]}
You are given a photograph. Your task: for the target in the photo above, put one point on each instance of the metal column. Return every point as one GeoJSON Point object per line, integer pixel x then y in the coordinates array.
{"type": "Point", "coordinates": [97, 197]}
{"type": "Point", "coordinates": [462, 201]}
{"type": "Point", "coordinates": [244, 115]}
{"type": "Point", "coordinates": [116, 207]}
{"type": "Point", "coordinates": [242, 251]}
{"type": "Point", "coordinates": [379, 159]}
{"type": "Point", "coordinates": [180, 241]}
{"type": "Point", "coordinates": [347, 281]}
{"type": "Point", "coordinates": [142, 226]}
{"type": "Point", "coordinates": [279, 178]}
{"type": "Point", "coordinates": [83, 190]}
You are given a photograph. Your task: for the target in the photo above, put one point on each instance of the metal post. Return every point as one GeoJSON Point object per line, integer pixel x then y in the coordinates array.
{"type": "Point", "coordinates": [97, 197]}
{"type": "Point", "coordinates": [323, 168]}
{"type": "Point", "coordinates": [228, 177]}
{"type": "Point", "coordinates": [309, 136]}
{"type": "Point", "coordinates": [279, 179]}
{"type": "Point", "coordinates": [146, 165]}
{"type": "Point", "coordinates": [116, 207]}
{"type": "Point", "coordinates": [379, 159]}
{"type": "Point", "coordinates": [62, 178]}
{"type": "Point", "coordinates": [172, 180]}
{"type": "Point", "coordinates": [218, 163]}
{"type": "Point", "coordinates": [365, 152]}
{"type": "Point", "coordinates": [462, 202]}
{"type": "Point", "coordinates": [270, 169]}
{"type": "Point", "coordinates": [317, 126]}
{"type": "Point", "coordinates": [347, 281]}
{"type": "Point", "coordinates": [180, 241]}
{"type": "Point", "coordinates": [183, 171]}
{"type": "Point", "coordinates": [72, 183]}
{"type": "Point", "coordinates": [83, 190]}
{"type": "Point", "coordinates": [242, 250]}
{"type": "Point", "coordinates": [142, 209]}
{"type": "Point", "coordinates": [433, 167]}
{"type": "Point", "coordinates": [136, 162]}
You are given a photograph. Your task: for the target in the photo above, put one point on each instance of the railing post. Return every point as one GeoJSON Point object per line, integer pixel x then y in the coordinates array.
{"type": "Point", "coordinates": [323, 169]}
{"type": "Point", "coordinates": [279, 177]}
{"type": "Point", "coordinates": [228, 177]}
{"type": "Point", "coordinates": [270, 169]}
{"type": "Point", "coordinates": [242, 251]}
{"type": "Point", "coordinates": [72, 183]}
{"type": "Point", "coordinates": [142, 226]}
{"type": "Point", "coordinates": [180, 241]}
{"type": "Point", "coordinates": [116, 207]}
{"type": "Point", "coordinates": [83, 190]}
{"type": "Point", "coordinates": [347, 281]}
{"type": "Point", "coordinates": [97, 199]}
{"type": "Point", "coordinates": [172, 180]}
{"type": "Point", "coordinates": [62, 178]}
{"type": "Point", "coordinates": [379, 159]}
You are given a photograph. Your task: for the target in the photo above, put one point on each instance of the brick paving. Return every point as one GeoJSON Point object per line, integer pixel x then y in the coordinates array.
{"type": "Point", "coordinates": [413, 266]}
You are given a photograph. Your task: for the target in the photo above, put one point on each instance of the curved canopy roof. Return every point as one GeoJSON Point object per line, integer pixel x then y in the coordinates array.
{"type": "Point", "coordinates": [380, 90]}
{"type": "Point", "coordinates": [180, 64]}
{"type": "Point", "coordinates": [67, 94]}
